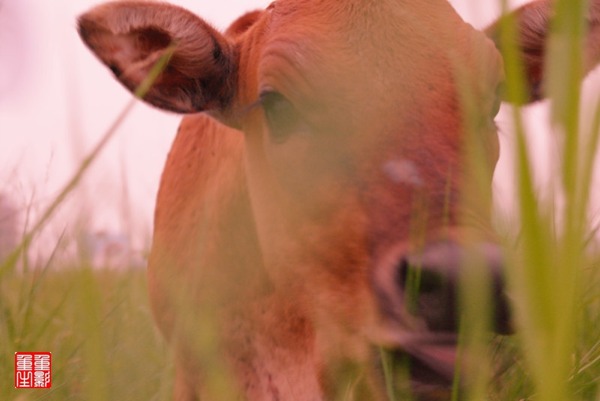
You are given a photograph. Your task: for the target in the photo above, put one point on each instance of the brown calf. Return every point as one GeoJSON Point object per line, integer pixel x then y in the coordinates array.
{"type": "Point", "coordinates": [331, 166]}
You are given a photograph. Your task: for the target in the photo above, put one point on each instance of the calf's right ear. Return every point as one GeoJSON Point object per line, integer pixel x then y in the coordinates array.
{"type": "Point", "coordinates": [131, 36]}
{"type": "Point", "coordinates": [533, 22]}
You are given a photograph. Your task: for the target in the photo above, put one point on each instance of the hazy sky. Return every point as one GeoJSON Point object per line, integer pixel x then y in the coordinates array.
{"type": "Point", "coordinates": [56, 100]}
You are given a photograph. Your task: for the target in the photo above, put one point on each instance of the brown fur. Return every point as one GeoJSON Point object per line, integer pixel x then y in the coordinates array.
{"type": "Point", "coordinates": [278, 231]}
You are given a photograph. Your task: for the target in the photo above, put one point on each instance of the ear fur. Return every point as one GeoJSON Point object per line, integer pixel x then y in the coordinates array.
{"type": "Point", "coordinates": [243, 23]}
{"type": "Point", "coordinates": [533, 23]}
{"type": "Point", "coordinates": [131, 36]}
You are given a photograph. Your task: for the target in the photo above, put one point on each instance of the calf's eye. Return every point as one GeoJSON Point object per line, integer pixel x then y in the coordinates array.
{"type": "Point", "coordinates": [282, 118]}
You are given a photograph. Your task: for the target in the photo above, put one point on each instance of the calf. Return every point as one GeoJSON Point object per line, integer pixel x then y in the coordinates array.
{"type": "Point", "coordinates": [327, 162]}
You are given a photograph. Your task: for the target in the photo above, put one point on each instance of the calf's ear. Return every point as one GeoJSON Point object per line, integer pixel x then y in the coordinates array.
{"type": "Point", "coordinates": [533, 24]}
{"type": "Point", "coordinates": [131, 36]}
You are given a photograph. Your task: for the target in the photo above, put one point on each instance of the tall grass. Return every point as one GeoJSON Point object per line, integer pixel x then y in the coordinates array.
{"type": "Point", "coordinates": [552, 273]}
{"type": "Point", "coordinates": [99, 328]}
{"type": "Point", "coordinates": [97, 324]}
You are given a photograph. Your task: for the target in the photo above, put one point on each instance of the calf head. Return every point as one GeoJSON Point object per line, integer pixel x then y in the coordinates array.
{"type": "Point", "coordinates": [361, 123]}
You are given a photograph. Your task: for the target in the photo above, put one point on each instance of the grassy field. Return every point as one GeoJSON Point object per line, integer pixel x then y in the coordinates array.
{"type": "Point", "coordinates": [99, 328]}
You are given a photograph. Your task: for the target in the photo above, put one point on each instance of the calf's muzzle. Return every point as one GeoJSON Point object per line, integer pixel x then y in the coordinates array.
{"type": "Point", "coordinates": [430, 281]}
{"type": "Point", "coordinates": [425, 285]}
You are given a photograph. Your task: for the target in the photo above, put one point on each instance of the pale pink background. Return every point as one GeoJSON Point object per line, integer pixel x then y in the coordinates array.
{"type": "Point", "coordinates": [56, 100]}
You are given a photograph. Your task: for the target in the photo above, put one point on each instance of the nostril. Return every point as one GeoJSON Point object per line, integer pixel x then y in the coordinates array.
{"type": "Point", "coordinates": [402, 273]}
{"type": "Point", "coordinates": [432, 282]}
{"type": "Point", "coordinates": [426, 284]}
{"type": "Point", "coordinates": [502, 315]}
{"type": "Point", "coordinates": [500, 304]}
{"type": "Point", "coordinates": [428, 291]}
{"type": "Point", "coordinates": [414, 277]}
{"type": "Point", "coordinates": [407, 282]}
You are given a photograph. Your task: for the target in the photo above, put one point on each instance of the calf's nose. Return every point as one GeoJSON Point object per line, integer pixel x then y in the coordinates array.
{"type": "Point", "coordinates": [429, 282]}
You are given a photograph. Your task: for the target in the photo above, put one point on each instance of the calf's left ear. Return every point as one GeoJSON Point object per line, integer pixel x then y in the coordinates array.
{"type": "Point", "coordinates": [131, 36]}
{"type": "Point", "coordinates": [533, 24]}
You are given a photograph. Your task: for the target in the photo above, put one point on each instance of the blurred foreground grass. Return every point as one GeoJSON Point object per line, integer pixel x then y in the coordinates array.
{"type": "Point", "coordinates": [96, 323]}
{"type": "Point", "coordinates": [99, 328]}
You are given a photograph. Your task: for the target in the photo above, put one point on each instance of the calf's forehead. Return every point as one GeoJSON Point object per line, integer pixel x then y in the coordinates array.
{"type": "Point", "coordinates": [373, 55]}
